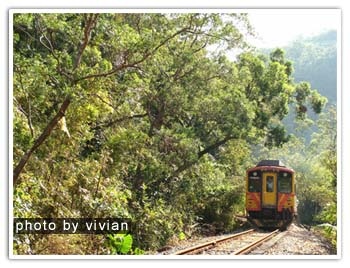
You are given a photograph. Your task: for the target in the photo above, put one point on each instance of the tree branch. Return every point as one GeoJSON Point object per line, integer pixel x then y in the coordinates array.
{"type": "Point", "coordinates": [214, 146]}
{"type": "Point", "coordinates": [29, 114]}
{"type": "Point", "coordinates": [133, 64]}
{"type": "Point", "coordinates": [90, 24]}
{"type": "Point", "coordinates": [40, 140]}
{"type": "Point", "coordinates": [118, 120]}
{"type": "Point", "coordinates": [201, 154]}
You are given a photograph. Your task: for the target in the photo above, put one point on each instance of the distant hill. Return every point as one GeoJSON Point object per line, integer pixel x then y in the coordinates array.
{"type": "Point", "coordinates": [315, 60]}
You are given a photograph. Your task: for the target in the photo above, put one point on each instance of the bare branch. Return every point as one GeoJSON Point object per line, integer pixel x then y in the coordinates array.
{"type": "Point", "coordinates": [90, 24]}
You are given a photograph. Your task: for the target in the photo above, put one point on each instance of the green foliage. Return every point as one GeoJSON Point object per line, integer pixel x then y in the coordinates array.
{"type": "Point", "coordinates": [220, 204]}
{"type": "Point", "coordinates": [329, 232]}
{"type": "Point", "coordinates": [120, 243]}
{"type": "Point", "coordinates": [277, 137]}
{"type": "Point", "coordinates": [182, 236]}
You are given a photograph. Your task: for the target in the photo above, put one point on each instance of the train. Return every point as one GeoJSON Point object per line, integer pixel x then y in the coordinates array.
{"type": "Point", "coordinates": [270, 195]}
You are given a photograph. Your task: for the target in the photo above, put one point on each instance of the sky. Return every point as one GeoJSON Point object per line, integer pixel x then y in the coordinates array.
{"type": "Point", "coordinates": [277, 28]}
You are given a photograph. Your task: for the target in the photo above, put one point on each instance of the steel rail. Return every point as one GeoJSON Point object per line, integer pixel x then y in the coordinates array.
{"type": "Point", "coordinates": [209, 244]}
{"type": "Point", "coordinates": [254, 244]}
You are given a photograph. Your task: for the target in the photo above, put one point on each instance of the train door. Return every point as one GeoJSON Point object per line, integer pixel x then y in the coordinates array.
{"type": "Point", "coordinates": [269, 189]}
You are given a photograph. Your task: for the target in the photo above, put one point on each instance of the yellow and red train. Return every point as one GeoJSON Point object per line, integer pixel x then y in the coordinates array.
{"type": "Point", "coordinates": [270, 194]}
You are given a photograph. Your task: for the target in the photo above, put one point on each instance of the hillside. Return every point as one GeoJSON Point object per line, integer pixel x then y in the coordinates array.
{"type": "Point", "coordinates": [315, 60]}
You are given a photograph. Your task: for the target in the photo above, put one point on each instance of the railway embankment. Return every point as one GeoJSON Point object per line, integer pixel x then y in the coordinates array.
{"type": "Point", "coordinates": [296, 240]}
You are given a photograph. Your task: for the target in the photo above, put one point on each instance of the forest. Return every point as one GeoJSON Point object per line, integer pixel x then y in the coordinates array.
{"type": "Point", "coordinates": [144, 116]}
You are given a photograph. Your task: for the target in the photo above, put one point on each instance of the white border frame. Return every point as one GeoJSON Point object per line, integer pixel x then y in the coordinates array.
{"type": "Point", "coordinates": [180, 10]}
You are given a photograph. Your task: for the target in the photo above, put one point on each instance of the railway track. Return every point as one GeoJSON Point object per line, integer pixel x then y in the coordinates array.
{"type": "Point", "coordinates": [236, 244]}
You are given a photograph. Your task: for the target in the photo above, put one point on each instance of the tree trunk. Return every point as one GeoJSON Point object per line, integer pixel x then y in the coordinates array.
{"type": "Point", "coordinates": [46, 133]}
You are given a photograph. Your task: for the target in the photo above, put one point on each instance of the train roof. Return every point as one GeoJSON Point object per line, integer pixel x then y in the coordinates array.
{"type": "Point", "coordinates": [273, 165]}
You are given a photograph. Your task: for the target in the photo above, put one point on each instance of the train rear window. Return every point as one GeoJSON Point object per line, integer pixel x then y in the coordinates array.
{"type": "Point", "coordinates": [285, 182]}
{"type": "Point", "coordinates": [269, 184]}
{"type": "Point", "coordinates": [254, 184]}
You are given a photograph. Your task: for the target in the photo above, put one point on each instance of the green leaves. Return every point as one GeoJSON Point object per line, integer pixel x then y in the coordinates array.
{"type": "Point", "coordinates": [277, 136]}
{"type": "Point", "coordinates": [318, 101]}
{"type": "Point", "coordinates": [120, 243]}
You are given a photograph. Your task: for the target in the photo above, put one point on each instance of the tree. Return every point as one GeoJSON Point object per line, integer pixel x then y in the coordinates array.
{"type": "Point", "coordinates": [153, 117]}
